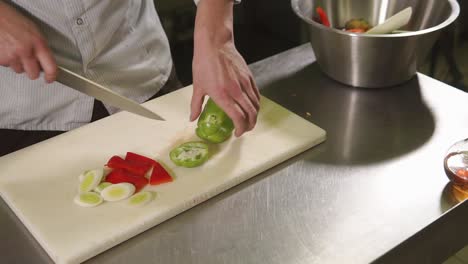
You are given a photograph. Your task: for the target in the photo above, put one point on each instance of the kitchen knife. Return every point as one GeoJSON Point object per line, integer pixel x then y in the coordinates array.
{"type": "Point", "coordinates": [102, 93]}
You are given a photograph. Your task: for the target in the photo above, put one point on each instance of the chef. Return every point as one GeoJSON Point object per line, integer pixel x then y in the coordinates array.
{"type": "Point", "coordinates": [119, 44]}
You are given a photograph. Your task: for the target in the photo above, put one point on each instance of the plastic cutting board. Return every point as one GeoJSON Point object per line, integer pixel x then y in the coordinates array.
{"type": "Point", "coordinates": [39, 182]}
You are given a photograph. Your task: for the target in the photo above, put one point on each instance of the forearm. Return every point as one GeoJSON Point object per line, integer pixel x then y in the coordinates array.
{"type": "Point", "coordinates": [4, 7]}
{"type": "Point", "coordinates": [213, 23]}
{"type": "Point", "coordinates": [219, 70]}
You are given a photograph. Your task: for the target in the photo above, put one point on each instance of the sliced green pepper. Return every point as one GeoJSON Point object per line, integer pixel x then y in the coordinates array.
{"type": "Point", "coordinates": [190, 154]}
{"type": "Point", "coordinates": [214, 125]}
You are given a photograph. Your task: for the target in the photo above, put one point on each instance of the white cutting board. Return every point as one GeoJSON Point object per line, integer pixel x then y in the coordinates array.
{"type": "Point", "coordinates": [39, 182]}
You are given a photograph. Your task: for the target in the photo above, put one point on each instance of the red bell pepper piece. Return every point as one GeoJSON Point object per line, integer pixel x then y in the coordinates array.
{"type": "Point", "coordinates": [139, 159]}
{"type": "Point", "coordinates": [117, 162]}
{"type": "Point", "coordinates": [159, 175]}
{"type": "Point", "coordinates": [356, 30]}
{"type": "Point", "coordinates": [323, 17]}
{"type": "Point", "coordinates": [120, 175]}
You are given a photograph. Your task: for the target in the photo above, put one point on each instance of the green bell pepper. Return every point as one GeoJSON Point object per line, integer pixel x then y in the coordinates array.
{"type": "Point", "coordinates": [190, 154]}
{"type": "Point", "coordinates": [214, 125]}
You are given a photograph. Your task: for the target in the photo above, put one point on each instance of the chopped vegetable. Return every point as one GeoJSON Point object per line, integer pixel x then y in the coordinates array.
{"type": "Point", "coordinates": [190, 154]}
{"type": "Point", "coordinates": [117, 192]}
{"type": "Point", "coordinates": [159, 175]}
{"type": "Point", "coordinates": [357, 24]}
{"type": "Point", "coordinates": [82, 176]}
{"type": "Point", "coordinates": [140, 199]}
{"type": "Point", "coordinates": [90, 180]}
{"type": "Point", "coordinates": [355, 30]}
{"type": "Point", "coordinates": [214, 125]}
{"type": "Point", "coordinates": [139, 159]}
{"type": "Point", "coordinates": [121, 176]}
{"type": "Point", "coordinates": [323, 18]}
{"type": "Point", "coordinates": [88, 199]}
{"type": "Point", "coordinates": [102, 186]}
{"type": "Point", "coordinates": [124, 178]}
{"type": "Point", "coordinates": [117, 162]}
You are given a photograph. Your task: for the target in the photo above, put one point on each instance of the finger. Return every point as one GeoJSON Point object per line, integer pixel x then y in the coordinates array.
{"type": "Point", "coordinates": [230, 107]}
{"type": "Point", "coordinates": [196, 104]}
{"type": "Point", "coordinates": [254, 87]}
{"type": "Point", "coordinates": [47, 62]}
{"type": "Point", "coordinates": [237, 115]}
{"type": "Point", "coordinates": [242, 99]}
{"type": "Point", "coordinates": [31, 66]}
{"type": "Point", "coordinates": [249, 109]}
{"type": "Point", "coordinates": [5, 59]}
{"type": "Point", "coordinates": [249, 90]}
{"type": "Point", "coordinates": [246, 106]}
{"type": "Point", "coordinates": [17, 66]}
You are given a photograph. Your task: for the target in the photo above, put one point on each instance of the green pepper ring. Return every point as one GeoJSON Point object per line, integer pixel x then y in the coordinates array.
{"type": "Point", "coordinates": [200, 154]}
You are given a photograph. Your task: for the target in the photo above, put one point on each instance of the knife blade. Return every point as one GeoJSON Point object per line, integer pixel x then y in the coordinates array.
{"type": "Point", "coordinates": [93, 89]}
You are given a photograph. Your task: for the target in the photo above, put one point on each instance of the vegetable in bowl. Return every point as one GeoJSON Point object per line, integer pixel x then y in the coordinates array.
{"type": "Point", "coordinates": [357, 25]}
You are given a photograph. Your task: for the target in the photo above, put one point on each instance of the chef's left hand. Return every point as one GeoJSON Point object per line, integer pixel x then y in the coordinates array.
{"type": "Point", "coordinates": [219, 71]}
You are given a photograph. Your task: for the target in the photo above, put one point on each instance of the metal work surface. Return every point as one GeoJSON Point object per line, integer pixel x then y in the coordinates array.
{"type": "Point", "coordinates": [377, 181]}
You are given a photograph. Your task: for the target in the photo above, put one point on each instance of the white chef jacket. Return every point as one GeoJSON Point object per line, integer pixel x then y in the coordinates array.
{"type": "Point", "coordinates": [118, 43]}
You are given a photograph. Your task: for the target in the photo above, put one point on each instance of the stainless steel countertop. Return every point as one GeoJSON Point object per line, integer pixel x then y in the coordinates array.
{"type": "Point", "coordinates": [377, 181]}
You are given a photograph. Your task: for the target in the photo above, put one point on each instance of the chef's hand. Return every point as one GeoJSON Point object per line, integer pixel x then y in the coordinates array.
{"type": "Point", "coordinates": [22, 46]}
{"type": "Point", "coordinates": [219, 71]}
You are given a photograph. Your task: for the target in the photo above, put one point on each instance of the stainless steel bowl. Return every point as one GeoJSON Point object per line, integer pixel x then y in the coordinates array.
{"type": "Point", "coordinates": [374, 60]}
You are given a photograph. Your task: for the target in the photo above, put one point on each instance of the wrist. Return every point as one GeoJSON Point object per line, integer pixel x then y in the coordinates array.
{"type": "Point", "coordinates": [3, 5]}
{"type": "Point", "coordinates": [214, 23]}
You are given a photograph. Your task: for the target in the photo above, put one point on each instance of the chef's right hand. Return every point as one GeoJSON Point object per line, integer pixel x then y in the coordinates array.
{"type": "Point", "coordinates": [22, 46]}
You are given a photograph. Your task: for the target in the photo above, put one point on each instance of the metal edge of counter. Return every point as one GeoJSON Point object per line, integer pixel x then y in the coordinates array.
{"type": "Point", "coordinates": [436, 242]}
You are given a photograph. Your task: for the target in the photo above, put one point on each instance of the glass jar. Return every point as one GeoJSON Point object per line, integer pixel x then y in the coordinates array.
{"type": "Point", "coordinates": [456, 168]}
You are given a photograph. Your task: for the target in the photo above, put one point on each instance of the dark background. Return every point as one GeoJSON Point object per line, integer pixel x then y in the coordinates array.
{"type": "Point", "coordinates": [263, 28]}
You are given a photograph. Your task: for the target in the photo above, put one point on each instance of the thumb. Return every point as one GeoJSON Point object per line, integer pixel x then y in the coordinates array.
{"type": "Point", "coordinates": [196, 104]}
